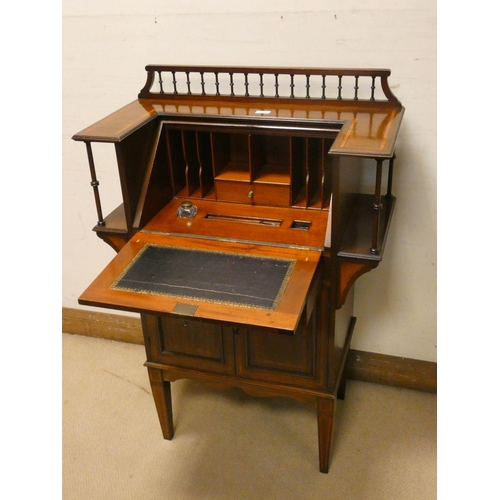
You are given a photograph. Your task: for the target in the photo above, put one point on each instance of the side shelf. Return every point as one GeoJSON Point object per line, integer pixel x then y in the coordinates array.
{"type": "Point", "coordinates": [355, 255]}
{"type": "Point", "coordinates": [114, 230]}
{"type": "Point", "coordinates": [114, 222]}
{"type": "Point", "coordinates": [356, 242]}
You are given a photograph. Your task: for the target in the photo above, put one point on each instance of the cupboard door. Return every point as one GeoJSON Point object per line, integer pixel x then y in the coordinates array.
{"type": "Point", "coordinates": [191, 343]}
{"type": "Point", "coordinates": [290, 359]}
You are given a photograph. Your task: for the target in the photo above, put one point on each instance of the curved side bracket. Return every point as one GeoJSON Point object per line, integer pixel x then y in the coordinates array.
{"type": "Point", "coordinates": [387, 90]}
{"type": "Point", "coordinates": [116, 242]}
{"type": "Point", "coordinates": [348, 273]}
{"type": "Point", "coordinates": [148, 85]}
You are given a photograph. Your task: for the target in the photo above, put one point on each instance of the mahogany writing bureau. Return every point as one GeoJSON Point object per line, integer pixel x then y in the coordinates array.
{"type": "Point", "coordinates": [244, 226]}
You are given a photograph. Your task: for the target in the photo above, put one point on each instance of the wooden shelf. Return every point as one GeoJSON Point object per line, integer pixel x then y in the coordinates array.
{"type": "Point", "coordinates": [115, 222]}
{"type": "Point", "coordinates": [357, 239]}
{"type": "Point", "coordinates": [274, 174]}
{"type": "Point", "coordinates": [235, 171]}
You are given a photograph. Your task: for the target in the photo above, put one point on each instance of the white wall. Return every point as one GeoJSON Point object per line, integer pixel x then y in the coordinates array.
{"type": "Point", "coordinates": [107, 44]}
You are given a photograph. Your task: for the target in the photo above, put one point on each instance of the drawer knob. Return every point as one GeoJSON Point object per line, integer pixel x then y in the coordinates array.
{"type": "Point", "coordinates": [250, 194]}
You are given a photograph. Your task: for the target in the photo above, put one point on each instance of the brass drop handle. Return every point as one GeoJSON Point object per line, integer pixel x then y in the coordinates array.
{"type": "Point", "coordinates": [250, 194]}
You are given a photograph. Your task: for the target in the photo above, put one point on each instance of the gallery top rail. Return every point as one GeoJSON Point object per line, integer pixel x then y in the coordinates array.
{"type": "Point", "coordinates": [333, 84]}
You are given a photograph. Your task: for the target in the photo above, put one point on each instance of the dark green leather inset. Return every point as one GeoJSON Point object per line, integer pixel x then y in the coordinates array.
{"type": "Point", "coordinates": [221, 277]}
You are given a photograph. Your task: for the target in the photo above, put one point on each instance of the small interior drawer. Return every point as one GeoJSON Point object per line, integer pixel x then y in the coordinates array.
{"type": "Point", "coordinates": [235, 191]}
{"type": "Point", "coordinates": [257, 193]}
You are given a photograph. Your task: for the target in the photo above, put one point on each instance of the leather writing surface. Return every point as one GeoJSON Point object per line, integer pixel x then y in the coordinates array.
{"type": "Point", "coordinates": [221, 277]}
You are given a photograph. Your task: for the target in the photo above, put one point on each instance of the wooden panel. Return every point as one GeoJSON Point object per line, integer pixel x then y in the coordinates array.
{"type": "Point", "coordinates": [271, 153]}
{"type": "Point", "coordinates": [315, 159]}
{"type": "Point", "coordinates": [134, 155]}
{"type": "Point", "coordinates": [176, 160]}
{"type": "Point", "coordinates": [118, 125]}
{"type": "Point", "coordinates": [156, 189]}
{"type": "Point", "coordinates": [280, 353]}
{"type": "Point", "coordinates": [185, 336]}
{"type": "Point", "coordinates": [339, 340]}
{"type": "Point", "coordinates": [298, 359]}
{"type": "Point", "coordinates": [369, 133]}
{"type": "Point", "coordinates": [191, 164]}
{"type": "Point", "coordinates": [190, 343]}
{"type": "Point", "coordinates": [270, 194]}
{"type": "Point", "coordinates": [204, 153]}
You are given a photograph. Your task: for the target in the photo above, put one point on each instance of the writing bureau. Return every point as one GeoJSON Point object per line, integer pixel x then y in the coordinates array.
{"type": "Point", "coordinates": [244, 224]}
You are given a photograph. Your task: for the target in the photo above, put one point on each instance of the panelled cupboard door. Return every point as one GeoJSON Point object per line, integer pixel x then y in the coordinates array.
{"type": "Point", "coordinates": [222, 281]}
{"type": "Point", "coordinates": [251, 353]}
{"type": "Point", "coordinates": [290, 359]}
{"type": "Point", "coordinates": [191, 343]}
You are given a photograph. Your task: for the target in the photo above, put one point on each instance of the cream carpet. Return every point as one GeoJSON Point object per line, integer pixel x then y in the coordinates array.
{"type": "Point", "coordinates": [231, 446]}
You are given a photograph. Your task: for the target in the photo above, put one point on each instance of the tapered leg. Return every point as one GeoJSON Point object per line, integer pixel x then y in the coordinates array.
{"type": "Point", "coordinates": [163, 401]}
{"type": "Point", "coordinates": [326, 409]}
{"type": "Point", "coordinates": [342, 384]}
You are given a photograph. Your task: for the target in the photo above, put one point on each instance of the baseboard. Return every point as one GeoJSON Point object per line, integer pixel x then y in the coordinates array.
{"type": "Point", "coordinates": [102, 325]}
{"type": "Point", "coordinates": [366, 366]}
{"type": "Point", "coordinates": [392, 370]}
